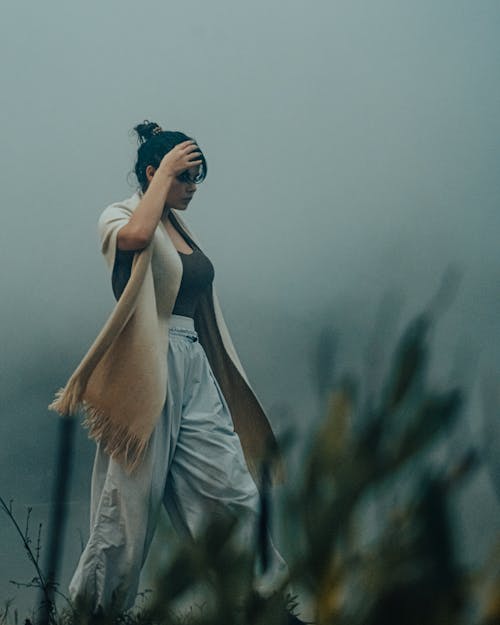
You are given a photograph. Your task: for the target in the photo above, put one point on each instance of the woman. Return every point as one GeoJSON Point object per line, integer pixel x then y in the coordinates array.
{"type": "Point", "coordinates": [166, 397]}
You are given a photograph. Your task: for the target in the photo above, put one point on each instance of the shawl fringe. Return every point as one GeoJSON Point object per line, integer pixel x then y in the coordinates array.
{"type": "Point", "coordinates": [68, 399]}
{"type": "Point", "coordinates": [118, 441]}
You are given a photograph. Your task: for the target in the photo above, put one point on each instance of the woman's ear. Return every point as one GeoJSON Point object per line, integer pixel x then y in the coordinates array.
{"type": "Point", "coordinates": [150, 172]}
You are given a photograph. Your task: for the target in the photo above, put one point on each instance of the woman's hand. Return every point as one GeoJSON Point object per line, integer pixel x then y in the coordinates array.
{"type": "Point", "coordinates": [181, 157]}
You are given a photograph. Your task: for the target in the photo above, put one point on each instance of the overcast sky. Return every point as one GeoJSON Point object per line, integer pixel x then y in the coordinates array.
{"type": "Point", "coordinates": [352, 149]}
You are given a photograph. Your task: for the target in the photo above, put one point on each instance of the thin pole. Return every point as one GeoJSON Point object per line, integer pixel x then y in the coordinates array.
{"type": "Point", "coordinates": [58, 515]}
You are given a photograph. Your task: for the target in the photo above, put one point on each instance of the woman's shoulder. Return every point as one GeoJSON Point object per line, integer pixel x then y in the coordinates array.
{"type": "Point", "coordinates": [120, 209]}
{"type": "Point", "coordinates": [113, 217]}
{"type": "Point", "coordinates": [126, 205]}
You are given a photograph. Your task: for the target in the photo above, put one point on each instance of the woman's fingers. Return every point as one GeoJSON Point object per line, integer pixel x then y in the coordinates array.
{"type": "Point", "coordinates": [183, 155]}
{"type": "Point", "coordinates": [189, 144]}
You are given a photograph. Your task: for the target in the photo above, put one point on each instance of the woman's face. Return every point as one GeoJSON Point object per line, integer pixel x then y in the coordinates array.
{"type": "Point", "coordinates": [182, 188]}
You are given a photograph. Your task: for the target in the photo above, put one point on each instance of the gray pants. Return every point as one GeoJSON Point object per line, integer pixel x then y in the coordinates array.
{"type": "Point", "coordinates": [194, 465]}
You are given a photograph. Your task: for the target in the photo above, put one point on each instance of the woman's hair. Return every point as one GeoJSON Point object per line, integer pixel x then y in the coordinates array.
{"type": "Point", "coordinates": [154, 146]}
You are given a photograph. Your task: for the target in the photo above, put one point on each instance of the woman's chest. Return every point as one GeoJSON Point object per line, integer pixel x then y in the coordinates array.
{"type": "Point", "coordinates": [179, 242]}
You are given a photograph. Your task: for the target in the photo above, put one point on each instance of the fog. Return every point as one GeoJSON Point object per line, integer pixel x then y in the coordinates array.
{"type": "Point", "coordinates": [353, 152]}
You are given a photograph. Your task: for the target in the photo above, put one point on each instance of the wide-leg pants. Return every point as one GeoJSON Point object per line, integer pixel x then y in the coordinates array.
{"type": "Point", "coordinates": [193, 466]}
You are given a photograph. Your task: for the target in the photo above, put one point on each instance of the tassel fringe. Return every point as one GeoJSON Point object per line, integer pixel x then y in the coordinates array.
{"type": "Point", "coordinates": [119, 442]}
{"type": "Point", "coordinates": [67, 400]}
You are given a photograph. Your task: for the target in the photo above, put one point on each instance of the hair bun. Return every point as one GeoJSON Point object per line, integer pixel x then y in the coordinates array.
{"type": "Point", "coordinates": [147, 130]}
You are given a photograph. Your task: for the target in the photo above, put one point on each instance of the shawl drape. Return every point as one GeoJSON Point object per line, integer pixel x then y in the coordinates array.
{"type": "Point", "coordinates": [121, 383]}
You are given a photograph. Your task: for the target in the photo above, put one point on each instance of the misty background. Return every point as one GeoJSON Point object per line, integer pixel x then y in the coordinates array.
{"type": "Point", "coordinates": [353, 154]}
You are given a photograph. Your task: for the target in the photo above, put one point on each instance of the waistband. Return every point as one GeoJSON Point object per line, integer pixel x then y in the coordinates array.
{"type": "Point", "coordinates": [181, 325]}
{"type": "Point", "coordinates": [180, 321]}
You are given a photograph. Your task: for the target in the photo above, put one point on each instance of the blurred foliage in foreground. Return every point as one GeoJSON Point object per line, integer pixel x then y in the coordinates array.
{"type": "Point", "coordinates": [371, 519]}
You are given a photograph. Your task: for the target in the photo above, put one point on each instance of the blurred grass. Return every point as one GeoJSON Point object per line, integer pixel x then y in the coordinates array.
{"type": "Point", "coordinates": [359, 562]}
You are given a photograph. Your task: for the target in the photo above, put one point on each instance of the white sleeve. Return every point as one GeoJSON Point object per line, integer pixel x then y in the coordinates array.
{"type": "Point", "coordinates": [110, 221]}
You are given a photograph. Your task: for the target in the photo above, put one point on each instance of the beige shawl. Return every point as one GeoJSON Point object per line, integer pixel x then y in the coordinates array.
{"type": "Point", "coordinates": [121, 382]}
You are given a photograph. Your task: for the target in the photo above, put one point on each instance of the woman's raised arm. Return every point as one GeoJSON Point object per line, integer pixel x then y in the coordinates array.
{"type": "Point", "coordinates": [140, 229]}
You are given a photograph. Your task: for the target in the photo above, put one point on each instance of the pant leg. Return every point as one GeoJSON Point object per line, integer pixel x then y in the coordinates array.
{"type": "Point", "coordinates": [124, 510]}
{"type": "Point", "coordinates": [209, 471]}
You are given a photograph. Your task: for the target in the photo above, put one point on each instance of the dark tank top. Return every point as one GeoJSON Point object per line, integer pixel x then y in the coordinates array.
{"type": "Point", "coordinates": [197, 274]}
